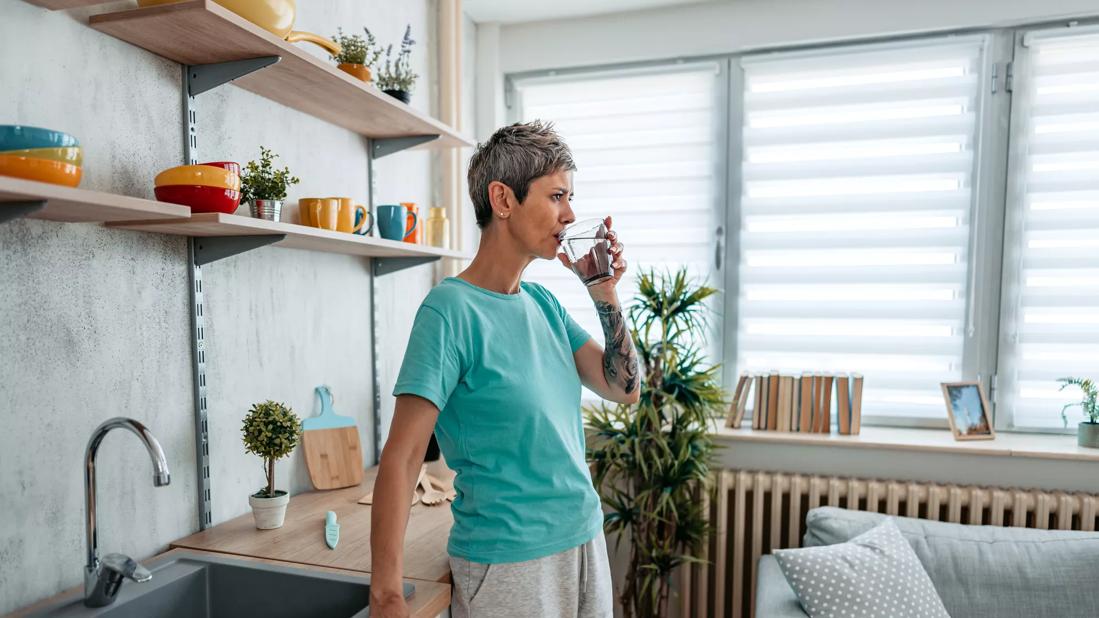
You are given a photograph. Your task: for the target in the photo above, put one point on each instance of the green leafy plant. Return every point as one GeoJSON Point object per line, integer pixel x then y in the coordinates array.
{"type": "Point", "coordinates": [1089, 404]}
{"type": "Point", "coordinates": [651, 461]}
{"type": "Point", "coordinates": [357, 49]}
{"type": "Point", "coordinates": [261, 181]}
{"type": "Point", "coordinates": [271, 430]}
{"type": "Point", "coordinates": [396, 73]}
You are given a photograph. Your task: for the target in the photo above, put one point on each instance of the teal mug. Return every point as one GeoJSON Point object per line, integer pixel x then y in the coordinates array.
{"type": "Point", "coordinates": [392, 220]}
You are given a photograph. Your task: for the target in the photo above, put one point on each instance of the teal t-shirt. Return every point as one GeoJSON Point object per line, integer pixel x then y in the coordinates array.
{"type": "Point", "coordinates": [500, 369]}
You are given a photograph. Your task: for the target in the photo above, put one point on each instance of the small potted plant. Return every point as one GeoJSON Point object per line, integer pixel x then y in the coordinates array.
{"type": "Point", "coordinates": [357, 53]}
{"type": "Point", "coordinates": [395, 77]}
{"type": "Point", "coordinates": [1087, 434]}
{"type": "Point", "coordinates": [264, 187]}
{"type": "Point", "coordinates": [272, 431]}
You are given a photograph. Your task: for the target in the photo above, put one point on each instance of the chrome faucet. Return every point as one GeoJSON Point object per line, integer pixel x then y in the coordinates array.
{"type": "Point", "coordinates": [103, 578]}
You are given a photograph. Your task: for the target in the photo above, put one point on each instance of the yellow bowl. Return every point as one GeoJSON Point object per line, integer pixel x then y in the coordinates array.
{"type": "Point", "coordinates": [73, 155]}
{"type": "Point", "coordinates": [203, 175]}
{"type": "Point", "coordinates": [42, 170]}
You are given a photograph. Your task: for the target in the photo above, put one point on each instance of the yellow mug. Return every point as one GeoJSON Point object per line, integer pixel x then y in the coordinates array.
{"type": "Point", "coordinates": [320, 212]}
{"type": "Point", "coordinates": [349, 214]}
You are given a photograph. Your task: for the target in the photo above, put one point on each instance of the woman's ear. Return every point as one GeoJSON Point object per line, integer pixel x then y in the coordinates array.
{"type": "Point", "coordinates": [501, 198]}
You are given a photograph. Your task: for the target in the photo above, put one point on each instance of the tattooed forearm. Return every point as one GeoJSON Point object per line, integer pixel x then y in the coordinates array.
{"type": "Point", "coordinates": [619, 357]}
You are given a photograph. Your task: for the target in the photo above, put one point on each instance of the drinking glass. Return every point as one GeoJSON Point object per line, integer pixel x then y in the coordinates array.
{"type": "Point", "coordinates": [588, 250]}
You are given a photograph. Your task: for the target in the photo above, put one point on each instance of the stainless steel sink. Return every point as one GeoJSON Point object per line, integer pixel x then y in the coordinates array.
{"type": "Point", "coordinates": [200, 585]}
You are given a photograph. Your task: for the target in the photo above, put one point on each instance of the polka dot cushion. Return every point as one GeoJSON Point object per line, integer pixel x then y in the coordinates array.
{"type": "Point", "coordinates": [874, 575]}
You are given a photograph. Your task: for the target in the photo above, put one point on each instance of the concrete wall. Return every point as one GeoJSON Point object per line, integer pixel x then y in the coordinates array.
{"type": "Point", "coordinates": [95, 321]}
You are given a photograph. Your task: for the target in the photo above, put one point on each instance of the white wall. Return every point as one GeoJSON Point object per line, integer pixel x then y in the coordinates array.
{"type": "Point", "coordinates": [95, 321]}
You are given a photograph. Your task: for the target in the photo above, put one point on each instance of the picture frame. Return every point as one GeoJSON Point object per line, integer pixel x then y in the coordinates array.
{"type": "Point", "coordinates": [968, 411]}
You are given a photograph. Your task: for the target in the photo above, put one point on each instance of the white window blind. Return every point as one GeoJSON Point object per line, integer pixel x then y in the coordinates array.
{"type": "Point", "coordinates": [1052, 299]}
{"type": "Point", "coordinates": [645, 143]}
{"type": "Point", "coordinates": [858, 168]}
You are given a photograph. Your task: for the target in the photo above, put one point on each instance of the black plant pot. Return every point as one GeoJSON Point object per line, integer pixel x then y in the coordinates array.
{"type": "Point", "coordinates": [401, 95]}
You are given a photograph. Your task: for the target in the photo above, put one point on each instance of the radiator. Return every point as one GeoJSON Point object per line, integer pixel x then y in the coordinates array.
{"type": "Point", "coordinates": [755, 512]}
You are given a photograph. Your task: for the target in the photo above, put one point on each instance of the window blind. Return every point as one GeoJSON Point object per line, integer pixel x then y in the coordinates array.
{"type": "Point", "coordinates": [858, 173]}
{"type": "Point", "coordinates": [645, 143]}
{"type": "Point", "coordinates": [1053, 285]}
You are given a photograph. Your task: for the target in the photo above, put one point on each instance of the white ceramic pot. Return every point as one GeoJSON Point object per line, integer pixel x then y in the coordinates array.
{"type": "Point", "coordinates": [269, 512]}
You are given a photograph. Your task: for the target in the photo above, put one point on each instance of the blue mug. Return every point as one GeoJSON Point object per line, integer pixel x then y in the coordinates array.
{"type": "Point", "coordinates": [392, 220]}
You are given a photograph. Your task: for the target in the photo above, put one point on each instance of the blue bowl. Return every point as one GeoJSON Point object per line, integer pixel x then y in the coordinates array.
{"type": "Point", "coordinates": [19, 137]}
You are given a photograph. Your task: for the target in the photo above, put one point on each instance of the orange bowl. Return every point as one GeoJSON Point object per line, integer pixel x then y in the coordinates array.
{"type": "Point", "coordinates": [198, 175]}
{"type": "Point", "coordinates": [200, 198]}
{"type": "Point", "coordinates": [42, 170]}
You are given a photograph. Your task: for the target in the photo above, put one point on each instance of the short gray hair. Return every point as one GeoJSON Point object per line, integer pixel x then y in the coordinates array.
{"type": "Point", "coordinates": [515, 155]}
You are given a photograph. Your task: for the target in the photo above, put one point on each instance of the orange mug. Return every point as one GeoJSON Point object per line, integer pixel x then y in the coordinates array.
{"type": "Point", "coordinates": [349, 213]}
{"type": "Point", "coordinates": [410, 222]}
{"type": "Point", "coordinates": [320, 212]}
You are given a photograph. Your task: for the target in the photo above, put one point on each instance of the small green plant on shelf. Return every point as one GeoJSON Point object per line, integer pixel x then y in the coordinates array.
{"type": "Point", "coordinates": [396, 73]}
{"type": "Point", "coordinates": [261, 181]}
{"type": "Point", "coordinates": [357, 49]}
{"type": "Point", "coordinates": [1089, 404]}
{"type": "Point", "coordinates": [271, 431]}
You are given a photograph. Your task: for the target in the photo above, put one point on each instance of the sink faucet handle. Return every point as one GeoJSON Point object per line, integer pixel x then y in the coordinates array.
{"type": "Point", "coordinates": [126, 567]}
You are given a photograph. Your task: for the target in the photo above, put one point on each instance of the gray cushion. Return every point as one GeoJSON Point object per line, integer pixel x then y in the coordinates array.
{"type": "Point", "coordinates": [988, 571]}
{"type": "Point", "coordinates": [874, 575]}
{"type": "Point", "coordinates": [774, 596]}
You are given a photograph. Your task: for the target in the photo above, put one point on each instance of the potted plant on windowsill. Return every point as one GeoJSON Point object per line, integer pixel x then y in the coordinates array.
{"type": "Point", "coordinates": [357, 54]}
{"type": "Point", "coordinates": [272, 431]}
{"type": "Point", "coordinates": [395, 77]}
{"type": "Point", "coordinates": [1087, 434]}
{"type": "Point", "coordinates": [264, 187]}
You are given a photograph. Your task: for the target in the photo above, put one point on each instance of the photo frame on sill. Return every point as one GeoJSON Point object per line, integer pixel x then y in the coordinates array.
{"type": "Point", "coordinates": [968, 411]}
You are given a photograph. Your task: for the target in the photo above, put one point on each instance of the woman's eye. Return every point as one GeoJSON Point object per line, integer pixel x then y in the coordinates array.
{"type": "Point", "coordinates": [557, 196]}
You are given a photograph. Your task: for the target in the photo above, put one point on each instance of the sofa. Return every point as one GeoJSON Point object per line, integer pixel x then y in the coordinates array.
{"type": "Point", "coordinates": [978, 571]}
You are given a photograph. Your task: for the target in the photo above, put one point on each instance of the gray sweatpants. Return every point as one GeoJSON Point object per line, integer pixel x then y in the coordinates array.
{"type": "Point", "coordinates": [572, 583]}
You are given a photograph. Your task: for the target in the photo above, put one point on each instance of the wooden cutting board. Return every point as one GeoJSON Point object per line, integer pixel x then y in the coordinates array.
{"type": "Point", "coordinates": [332, 450]}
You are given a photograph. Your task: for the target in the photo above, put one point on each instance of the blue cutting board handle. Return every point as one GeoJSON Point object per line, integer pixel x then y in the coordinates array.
{"type": "Point", "coordinates": [327, 419]}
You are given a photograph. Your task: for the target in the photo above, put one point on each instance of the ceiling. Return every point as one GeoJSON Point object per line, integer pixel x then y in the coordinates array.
{"type": "Point", "coordinates": [513, 11]}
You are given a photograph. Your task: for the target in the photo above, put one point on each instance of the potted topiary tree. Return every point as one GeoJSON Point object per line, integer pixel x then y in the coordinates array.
{"type": "Point", "coordinates": [357, 53]}
{"type": "Point", "coordinates": [271, 430]}
{"type": "Point", "coordinates": [1087, 433]}
{"type": "Point", "coordinates": [651, 460]}
{"type": "Point", "coordinates": [396, 77]}
{"type": "Point", "coordinates": [264, 187]}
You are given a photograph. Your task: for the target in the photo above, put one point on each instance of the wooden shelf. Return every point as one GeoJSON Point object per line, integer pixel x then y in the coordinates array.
{"type": "Point", "coordinates": [82, 206]}
{"type": "Point", "coordinates": [199, 32]}
{"type": "Point", "coordinates": [297, 236]}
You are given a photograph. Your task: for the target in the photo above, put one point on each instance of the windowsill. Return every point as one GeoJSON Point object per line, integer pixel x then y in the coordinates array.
{"type": "Point", "coordinates": [1032, 445]}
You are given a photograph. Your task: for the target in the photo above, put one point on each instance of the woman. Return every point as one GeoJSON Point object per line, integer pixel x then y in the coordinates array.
{"type": "Point", "coordinates": [494, 367]}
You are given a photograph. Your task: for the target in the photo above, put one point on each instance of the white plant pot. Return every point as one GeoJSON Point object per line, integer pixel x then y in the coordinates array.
{"type": "Point", "coordinates": [269, 512]}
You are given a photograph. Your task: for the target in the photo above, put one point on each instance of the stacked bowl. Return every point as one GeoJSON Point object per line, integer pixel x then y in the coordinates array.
{"type": "Point", "coordinates": [40, 154]}
{"type": "Point", "coordinates": [207, 187]}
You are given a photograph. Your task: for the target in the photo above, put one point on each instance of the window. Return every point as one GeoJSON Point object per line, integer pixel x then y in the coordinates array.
{"type": "Point", "coordinates": [858, 173]}
{"type": "Point", "coordinates": [646, 144]}
{"type": "Point", "coordinates": [1050, 320]}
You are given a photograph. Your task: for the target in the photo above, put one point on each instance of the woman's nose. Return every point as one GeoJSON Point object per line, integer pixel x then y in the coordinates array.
{"type": "Point", "coordinates": [567, 215]}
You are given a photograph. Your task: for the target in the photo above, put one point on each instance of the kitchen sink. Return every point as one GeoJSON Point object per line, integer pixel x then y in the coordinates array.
{"type": "Point", "coordinates": [194, 585]}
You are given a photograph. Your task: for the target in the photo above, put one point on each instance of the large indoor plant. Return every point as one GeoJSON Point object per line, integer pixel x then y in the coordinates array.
{"type": "Point", "coordinates": [357, 53]}
{"type": "Point", "coordinates": [651, 461]}
{"type": "Point", "coordinates": [395, 77]}
{"type": "Point", "coordinates": [264, 187]}
{"type": "Point", "coordinates": [271, 430]}
{"type": "Point", "coordinates": [1087, 434]}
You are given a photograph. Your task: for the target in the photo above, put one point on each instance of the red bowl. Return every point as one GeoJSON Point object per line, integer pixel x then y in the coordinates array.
{"type": "Point", "coordinates": [199, 198]}
{"type": "Point", "coordinates": [225, 165]}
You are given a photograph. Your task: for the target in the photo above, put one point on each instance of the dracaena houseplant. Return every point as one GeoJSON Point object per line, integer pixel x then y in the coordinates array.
{"type": "Point", "coordinates": [1090, 402]}
{"type": "Point", "coordinates": [651, 460]}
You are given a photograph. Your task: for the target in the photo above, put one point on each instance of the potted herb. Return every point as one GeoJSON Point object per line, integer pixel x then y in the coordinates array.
{"type": "Point", "coordinates": [651, 460]}
{"type": "Point", "coordinates": [264, 187]}
{"type": "Point", "coordinates": [395, 77]}
{"type": "Point", "coordinates": [1087, 434]}
{"type": "Point", "coordinates": [357, 53]}
{"type": "Point", "coordinates": [271, 430]}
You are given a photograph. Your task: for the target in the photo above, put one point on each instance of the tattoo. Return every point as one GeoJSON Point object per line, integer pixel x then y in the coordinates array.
{"type": "Point", "coordinates": [619, 356]}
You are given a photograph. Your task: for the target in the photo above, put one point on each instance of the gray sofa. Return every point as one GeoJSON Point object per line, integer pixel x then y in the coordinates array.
{"type": "Point", "coordinates": [978, 571]}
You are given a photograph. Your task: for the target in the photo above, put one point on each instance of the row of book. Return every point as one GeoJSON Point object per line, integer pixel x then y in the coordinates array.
{"type": "Point", "coordinates": [798, 403]}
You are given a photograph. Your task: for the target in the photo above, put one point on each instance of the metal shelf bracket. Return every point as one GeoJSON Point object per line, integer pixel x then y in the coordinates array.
{"type": "Point", "coordinates": [384, 146]}
{"type": "Point", "coordinates": [203, 77]}
{"type": "Point", "coordinates": [386, 266]}
{"type": "Point", "coordinates": [11, 211]}
{"type": "Point", "coordinates": [214, 248]}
